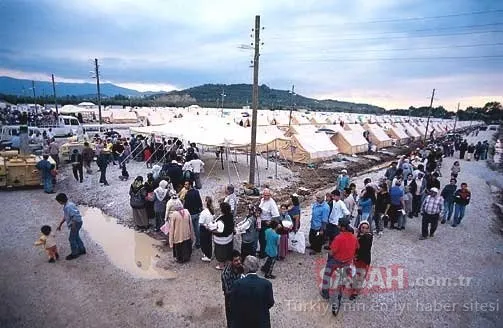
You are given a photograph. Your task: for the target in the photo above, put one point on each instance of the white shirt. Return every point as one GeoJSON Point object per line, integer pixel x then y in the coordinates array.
{"type": "Point", "coordinates": [339, 210]}
{"type": "Point", "coordinates": [205, 218]}
{"type": "Point", "coordinates": [197, 165]}
{"type": "Point", "coordinates": [187, 167]}
{"type": "Point", "coordinates": [269, 209]}
{"type": "Point", "coordinates": [232, 200]}
{"type": "Point", "coordinates": [350, 203]}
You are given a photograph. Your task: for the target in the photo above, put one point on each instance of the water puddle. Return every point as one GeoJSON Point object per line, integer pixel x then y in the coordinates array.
{"type": "Point", "coordinates": [131, 251]}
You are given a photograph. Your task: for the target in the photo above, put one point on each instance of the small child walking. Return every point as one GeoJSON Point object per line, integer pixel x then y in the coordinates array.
{"type": "Point", "coordinates": [271, 249]}
{"type": "Point", "coordinates": [48, 240]}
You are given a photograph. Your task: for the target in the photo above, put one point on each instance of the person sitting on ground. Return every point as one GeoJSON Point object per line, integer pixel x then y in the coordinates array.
{"type": "Point", "coordinates": [342, 253]}
{"type": "Point", "coordinates": [271, 249]}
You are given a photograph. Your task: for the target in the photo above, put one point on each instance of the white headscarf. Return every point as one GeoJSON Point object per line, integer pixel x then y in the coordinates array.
{"type": "Point", "coordinates": [156, 170]}
{"type": "Point", "coordinates": [162, 190]}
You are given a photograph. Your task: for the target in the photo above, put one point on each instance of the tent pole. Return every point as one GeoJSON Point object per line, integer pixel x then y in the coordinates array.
{"type": "Point", "coordinates": [222, 157]}
{"type": "Point", "coordinates": [267, 156]}
{"type": "Point", "coordinates": [228, 166]}
{"type": "Point", "coordinates": [258, 171]}
{"type": "Point", "coordinates": [275, 159]}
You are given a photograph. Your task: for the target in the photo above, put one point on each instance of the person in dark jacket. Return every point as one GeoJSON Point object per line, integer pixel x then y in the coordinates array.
{"type": "Point", "coordinates": [462, 149]}
{"type": "Point", "coordinates": [448, 195]}
{"type": "Point", "coordinates": [417, 188]}
{"type": "Point", "coordinates": [362, 258]}
{"type": "Point", "coordinates": [87, 157]}
{"type": "Point", "coordinates": [462, 198]}
{"type": "Point", "coordinates": [470, 150]}
{"type": "Point", "coordinates": [77, 165]}
{"type": "Point", "coordinates": [432, 181]}
{"type": "Point", "coordinates": [382, 205]}
{"type": "Point", "coordinates": [102, 163]}
{"type": "Point", "coordinates": [175, 174]}
{"type": "Point", "coordinates": [194, 204]}
{"type": "Point", "coordinates": [251, 298]}
{"type": "Point", "coordinates": [137, 194]}
{"type": "Point", "coordinates": [150, 186]}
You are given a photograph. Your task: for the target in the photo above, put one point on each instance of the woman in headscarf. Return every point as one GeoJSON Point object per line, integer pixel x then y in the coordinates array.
{"type": "Point", "coordinates": [223, 230]}
{"type": "Point", "coordinates": [156, 171]}
{"type": "Point", "coordinates": [137, 194]}
{"type": "Point", "coordinates": [149, 204]}
{"type": "Point", "coordinates": [362, 257]}
{"type": "Point", "coordinates": [181, 233]}
{"type": "Point", "coordinates": [161, 196]}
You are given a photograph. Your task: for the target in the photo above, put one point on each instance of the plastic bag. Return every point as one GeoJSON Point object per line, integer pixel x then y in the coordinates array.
{"type": "Point", "coordinates": [165, 228]}
{"type": "Point", "coordinates": [297, 242]}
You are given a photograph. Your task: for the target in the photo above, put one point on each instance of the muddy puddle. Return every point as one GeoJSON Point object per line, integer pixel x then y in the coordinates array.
{"type": "Point", "coordinates": [129, 250]}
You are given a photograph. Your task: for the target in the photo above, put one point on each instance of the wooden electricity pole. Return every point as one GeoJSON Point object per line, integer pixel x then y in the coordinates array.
{"type": "Point", "coordinates": [253, 146]}
{"type": "Point", "coordinates": [54, 95]}
{"type": "Point", "coordinates": [456, 119]}
{"type": "Point", "coordinates": [429, 114]}
{"type": "Point", "coordinates": [293, 105]}
{"type": "Point", "coordinates": [97, 72]}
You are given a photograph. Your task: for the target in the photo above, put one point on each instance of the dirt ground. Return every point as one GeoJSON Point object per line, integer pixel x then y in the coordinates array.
{"type": "Point", "coordinates": [94, 291]}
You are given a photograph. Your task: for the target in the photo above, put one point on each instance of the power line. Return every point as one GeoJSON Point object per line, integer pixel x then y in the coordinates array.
{"type": "Point", "coordinates": [334, 38]}
{"type": "Point", "coordinates": [436, 29]}
{"type": "Point", "coordinates": [401, 58]}
{"type": "Point", "coordinates": [352, 50]}
{"type": "Point", "coordinates": [482, 12]}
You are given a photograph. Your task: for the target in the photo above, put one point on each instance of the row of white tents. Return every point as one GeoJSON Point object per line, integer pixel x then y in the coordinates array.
{"type": "Point", "coordinates": [302, 143]}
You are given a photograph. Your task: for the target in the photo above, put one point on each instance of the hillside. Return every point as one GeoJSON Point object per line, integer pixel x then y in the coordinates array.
{"type": "Point", "coordinates": [18, 87]}
{"type": "Point", "coordinates": [238, 95]}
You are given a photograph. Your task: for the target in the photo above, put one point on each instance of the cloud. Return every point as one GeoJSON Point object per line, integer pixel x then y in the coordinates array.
{"type": "Point", "coordinates": [364, 50]}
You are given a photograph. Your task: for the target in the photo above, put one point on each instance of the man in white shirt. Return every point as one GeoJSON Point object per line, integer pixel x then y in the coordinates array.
{"type": "Point", "coordinates": [339, 210]}
{"type": "Point", "coordinates": [197, 165]}
{"type": "Point", "coordinates": [269, 211]}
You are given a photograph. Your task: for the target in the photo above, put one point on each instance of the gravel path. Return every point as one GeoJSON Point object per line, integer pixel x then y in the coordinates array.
{"type": "Point", "coordinates": [91, 292]}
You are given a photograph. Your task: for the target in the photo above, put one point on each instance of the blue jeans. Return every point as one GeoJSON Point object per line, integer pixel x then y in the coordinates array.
{"type": "Point", "coordinates": [448, 209]}
{"type": "Point", "coordinates": [48, 183]}
{"type": "Point", "coordinates": [459, 213]}
{"type": "Point", "coordinates": [195, 224]}
{"type": "Point", "coordinates": [75, 242]}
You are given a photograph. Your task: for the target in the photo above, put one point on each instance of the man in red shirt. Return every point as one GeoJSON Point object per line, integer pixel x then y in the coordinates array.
{"type": "Point", "coordinates": [342, 251]}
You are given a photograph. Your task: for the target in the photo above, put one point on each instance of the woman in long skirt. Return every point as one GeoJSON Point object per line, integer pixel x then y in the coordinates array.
{"type": "Point", "coordinates": [223, 230]}
{"type": "Point", "coordinates": [286, 223]}
{"type": "Point", "coordinates": [181, 233]}
{"type": "Point", "coordinates": [205, 220]}
{"type": "Point", "coordinates": [137, 195]}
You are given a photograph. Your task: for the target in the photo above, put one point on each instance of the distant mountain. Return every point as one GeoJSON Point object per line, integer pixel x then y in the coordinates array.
{"type": "Point", "coordinates": [207, 95]}
{"type": "Point", "coordinates": [238, 95]}
{"type": "Point", "coordinates": [18, 87]}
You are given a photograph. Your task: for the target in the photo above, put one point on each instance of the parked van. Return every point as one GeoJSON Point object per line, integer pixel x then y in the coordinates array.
{"type": "Point", "coordinates": [67, 126]}
{"type": "Point", "coordinates": [8, 131]}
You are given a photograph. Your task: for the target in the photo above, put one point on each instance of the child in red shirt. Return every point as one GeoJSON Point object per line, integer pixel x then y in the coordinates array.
{"type": "Point", "coordinates": [147, 155]}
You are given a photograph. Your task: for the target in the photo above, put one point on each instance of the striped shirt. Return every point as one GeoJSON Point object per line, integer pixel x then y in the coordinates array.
{"type": "Point", "coordinates": [433, 205]}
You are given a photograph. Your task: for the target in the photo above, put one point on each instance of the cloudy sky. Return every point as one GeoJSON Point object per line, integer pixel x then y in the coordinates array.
{"type": "Point", "coordinates": [387, 52]}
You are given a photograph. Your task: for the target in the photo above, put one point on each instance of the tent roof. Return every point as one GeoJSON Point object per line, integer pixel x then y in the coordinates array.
{"type": "Point", "coordinates": [378, 132]}
{"type": "Point", "coordinates": [318, 145]}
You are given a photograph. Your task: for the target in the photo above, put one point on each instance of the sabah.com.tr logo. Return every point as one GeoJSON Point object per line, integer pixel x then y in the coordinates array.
{"type": "Point", "coordinates": [361, 280]}
{"type": "Point", "coordinates": [378, 279]}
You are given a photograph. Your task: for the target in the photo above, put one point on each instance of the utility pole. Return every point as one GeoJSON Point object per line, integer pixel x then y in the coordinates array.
{"type": "Point", "coordinates": [253, 147]}
{"type": "Point", "coordinates": [429, 114]}
{"type": "Point", "coordinates": [54, 95]}
{"type": "Point", "coordinates": [456, 119]}
{"type": "Point", "coordinates": [34, 96]}
{"type": "Point", "coordinates": [222, 102]}
{"type": "Point", "coordinates": [293, 105]}
{"type": "Point", "coordinates": [97, 72]}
